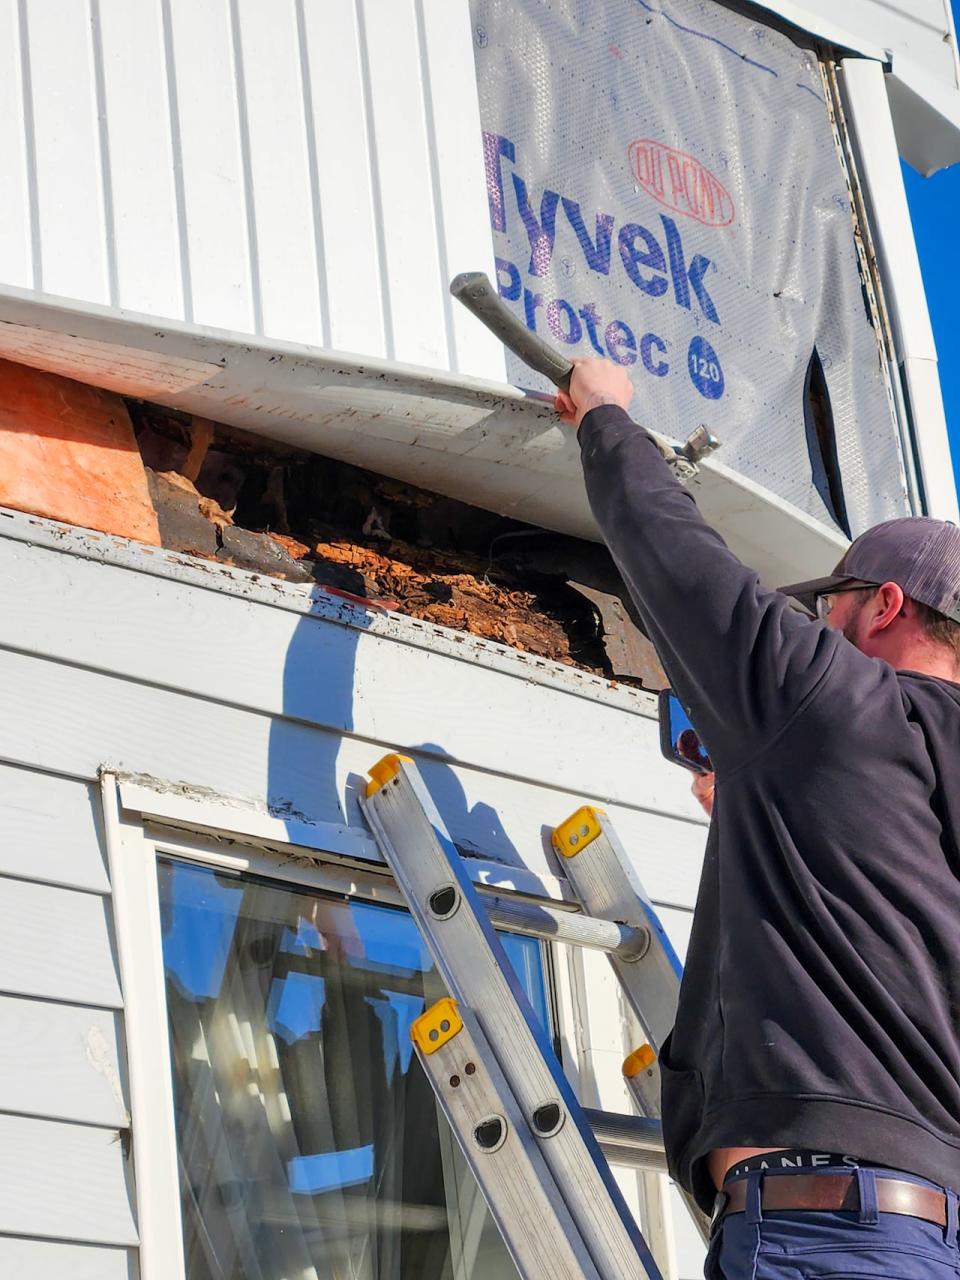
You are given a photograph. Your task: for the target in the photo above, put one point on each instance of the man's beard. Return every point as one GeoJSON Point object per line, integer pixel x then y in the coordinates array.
{"type": "Point", "coordinates": [851, 628]}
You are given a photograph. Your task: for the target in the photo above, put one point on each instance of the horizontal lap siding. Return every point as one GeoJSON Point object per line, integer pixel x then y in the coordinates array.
{"type": "Point", "coordinates": [79, 718]}
{"type": "Point", "coordinates": [57, 944]}
{"type": "Point", "coordinates": [63, 1168]}
{"type": "Point", "coordinates": [53, 1260]}
{"type": "Point", "coordinates": [299, 674]}
{"type": "Point", "coordinates": [64, 1182]}
{"type": "Point", "coordinates": [50, 830]}
{"type": "Point", "coordinates": [62, 1062]}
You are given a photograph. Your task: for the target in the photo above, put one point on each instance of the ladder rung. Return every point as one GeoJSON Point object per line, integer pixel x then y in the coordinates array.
{"type": "Point", "coordinates": [628, 1140]}
{"type": "Point", "coordinates": [637, 1143]}
{"type": "Point", "coordinates": [536, 921]}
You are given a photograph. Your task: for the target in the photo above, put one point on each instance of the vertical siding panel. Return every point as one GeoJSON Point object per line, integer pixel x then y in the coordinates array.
{"type": "Point", "coordinates": [402, 157]}
{"type": "Point", "coordinates": [16, 265]}
{"type": "Point", "coordinates": [212, 170]}
{"type": "Point", "coordinates": [333, 85]}
{"type": "Point", "coordinates": [141, 162]}
{"type": "Point", "coordinates": [69, 179]}
{"type": "Point", "coordinates": [463, 225]}
{"type": "Point", "coordinates": [279, 169]}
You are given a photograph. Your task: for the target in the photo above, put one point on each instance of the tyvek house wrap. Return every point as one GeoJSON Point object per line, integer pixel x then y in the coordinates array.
{"type": "Point", "coordinates": [665, 188]}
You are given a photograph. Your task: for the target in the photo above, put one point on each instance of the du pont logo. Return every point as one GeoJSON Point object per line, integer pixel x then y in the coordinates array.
{"type": "Point", "coordinates": [681, 182]}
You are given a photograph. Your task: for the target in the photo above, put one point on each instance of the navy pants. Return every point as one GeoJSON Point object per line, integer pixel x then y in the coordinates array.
{"type": "Point", "coordinates": [808, 1245]}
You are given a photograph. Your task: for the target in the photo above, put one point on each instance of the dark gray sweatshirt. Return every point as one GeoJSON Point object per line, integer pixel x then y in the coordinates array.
{"type": "Point", "coordinates": [820, 1004]}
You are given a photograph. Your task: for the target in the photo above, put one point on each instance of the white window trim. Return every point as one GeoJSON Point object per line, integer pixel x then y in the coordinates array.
{"type": "Point", "coordinates": [136, 912]}
{"type": "Point", "coordinates": [217, 818]}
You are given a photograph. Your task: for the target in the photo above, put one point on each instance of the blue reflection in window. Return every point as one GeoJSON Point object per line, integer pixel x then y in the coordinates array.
{"type": "Point", "coordinates": [295, 1005]}
{"type": "Point", "coordinates": [309, 1175]}
{"type": "Point", "coordinates": [397, 1012]}
{"type": "Point", "coordinates": [390, 939]}
{"type": "Point", "coordinates": [324, 991]}
{"type": "Point", "coordinates": [200, 912]}
{"type": "Point", "coordinates": [526, 958]}
{"type": "Point", "coordinates": [201, 909]}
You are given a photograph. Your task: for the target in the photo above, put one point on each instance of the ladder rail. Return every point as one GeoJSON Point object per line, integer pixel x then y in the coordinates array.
{"type": "Point", "coordinates": [506, 1159]}
{"type": "Point", "coordinates": [607, 886]}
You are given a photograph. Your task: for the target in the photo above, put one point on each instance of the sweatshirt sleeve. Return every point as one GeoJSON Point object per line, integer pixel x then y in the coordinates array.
{"type": "Point", "coordinates": [741, 659]}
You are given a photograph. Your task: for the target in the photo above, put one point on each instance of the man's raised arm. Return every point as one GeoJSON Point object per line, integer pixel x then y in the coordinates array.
{"type": "Point", "coordinates": [742, 660]}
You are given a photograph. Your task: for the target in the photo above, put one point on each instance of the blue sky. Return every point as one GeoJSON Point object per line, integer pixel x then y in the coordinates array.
{"type": "Point", "coordinates": [933, 206]}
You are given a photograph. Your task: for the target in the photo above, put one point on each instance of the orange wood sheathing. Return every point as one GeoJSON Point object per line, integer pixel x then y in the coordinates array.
{"type": "Point", "coordinates": [67, 451]}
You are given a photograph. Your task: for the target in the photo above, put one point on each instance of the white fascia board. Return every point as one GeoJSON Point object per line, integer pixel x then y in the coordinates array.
{"type": "Point", "coordinates": [484, 443]}
{"type": "Point", "coordinates": [926, 109]}
{"type": "Point", "coordinates": [807, 19]}
{"type": "Point", "coordinates": [868, 111]}
{"type": "Point", "coordinates": [926, 117]}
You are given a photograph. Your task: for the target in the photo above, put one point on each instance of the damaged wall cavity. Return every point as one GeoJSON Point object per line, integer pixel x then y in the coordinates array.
{"type": "Point", "coordinates": [232, 497]}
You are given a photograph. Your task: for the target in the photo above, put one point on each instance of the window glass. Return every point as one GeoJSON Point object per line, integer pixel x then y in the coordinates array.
{"type": "Point", "coordinates": [310, 1142]}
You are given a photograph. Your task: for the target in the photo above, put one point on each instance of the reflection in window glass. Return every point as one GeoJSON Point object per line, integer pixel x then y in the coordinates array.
{"type": "Point", "coordinates": [310, 1142]}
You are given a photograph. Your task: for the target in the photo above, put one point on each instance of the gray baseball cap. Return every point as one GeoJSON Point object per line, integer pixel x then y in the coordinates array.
{"type": "Point", "coordinates": [919, 554]}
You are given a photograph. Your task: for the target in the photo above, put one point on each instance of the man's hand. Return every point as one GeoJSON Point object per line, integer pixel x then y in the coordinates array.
{"type": "Point", "coordinates": [703, 787]}
{"type": "Point", "coordinates": [593, 382]}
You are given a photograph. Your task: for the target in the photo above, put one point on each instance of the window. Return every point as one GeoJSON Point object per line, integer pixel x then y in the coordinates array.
{"type": "Point", "coordinates": [310, 1143]}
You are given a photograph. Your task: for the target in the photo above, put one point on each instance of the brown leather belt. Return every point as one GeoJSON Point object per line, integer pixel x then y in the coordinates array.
{"type": "Point", "coordinates": [829, 1192]}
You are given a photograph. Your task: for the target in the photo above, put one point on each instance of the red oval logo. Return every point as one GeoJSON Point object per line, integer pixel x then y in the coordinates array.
{"type": "Point", "coordinates": [681, 182]}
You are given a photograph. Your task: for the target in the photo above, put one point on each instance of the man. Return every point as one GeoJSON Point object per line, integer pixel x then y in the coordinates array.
{"type": "Point", "coordinates": [813, 1074]}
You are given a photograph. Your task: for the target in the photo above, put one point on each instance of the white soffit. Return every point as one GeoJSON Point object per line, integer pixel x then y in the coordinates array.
{"type": "Point", "coordinates": [917, 40]}
{"type": "Point", "coordinates": [481, 442]}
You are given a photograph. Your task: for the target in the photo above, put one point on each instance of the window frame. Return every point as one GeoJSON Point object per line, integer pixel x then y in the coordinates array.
{"type": "Point", "coordinates": [135, 842]}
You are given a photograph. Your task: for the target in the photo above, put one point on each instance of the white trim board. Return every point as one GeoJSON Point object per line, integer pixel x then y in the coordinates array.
{"type": "Point", "coordinates": [216, 816]}
{"type": "Point", "coordinates": [136, 908]}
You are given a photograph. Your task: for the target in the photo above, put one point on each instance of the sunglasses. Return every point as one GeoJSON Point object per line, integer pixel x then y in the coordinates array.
{"type": "Point", "coordinates": [823, 605]}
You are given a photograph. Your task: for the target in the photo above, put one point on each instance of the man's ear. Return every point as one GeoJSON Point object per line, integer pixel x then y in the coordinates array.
{"type": "Point", "coordinates": [884, 608]}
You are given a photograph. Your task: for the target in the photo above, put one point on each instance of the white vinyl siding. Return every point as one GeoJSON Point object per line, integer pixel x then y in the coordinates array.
{"type": "Point", "coordinates": [53, 1260]}
{"type": "Point", "coordinates": [304, 171]}
{"type": "Point", "coordinates": [55, 944]}
{"type": "Point", "coordinates": [50, 830]}
{"type": "Point", "coordinates": [64, 1167]}
{"type": "Point", "coordinates": [66, 1181]}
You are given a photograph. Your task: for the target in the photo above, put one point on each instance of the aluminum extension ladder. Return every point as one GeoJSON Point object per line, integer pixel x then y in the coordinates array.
{"type": "Point", "coordinates": [537, 1155]}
